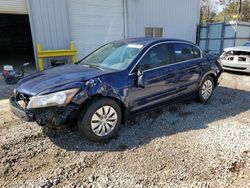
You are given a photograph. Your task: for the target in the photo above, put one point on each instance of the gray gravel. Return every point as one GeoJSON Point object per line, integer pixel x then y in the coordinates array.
{"type": "Point", "coordinates": [183, 145]}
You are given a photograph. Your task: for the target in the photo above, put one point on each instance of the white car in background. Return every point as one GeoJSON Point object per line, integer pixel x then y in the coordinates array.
{"type": "Point", "coordinates": [236, 58]}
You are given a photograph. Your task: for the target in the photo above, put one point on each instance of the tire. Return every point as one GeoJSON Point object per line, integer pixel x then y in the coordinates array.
{"type": "Point", "coordinates": [100, 120]}
{"type": "Point", "coordinates": [206, 89]}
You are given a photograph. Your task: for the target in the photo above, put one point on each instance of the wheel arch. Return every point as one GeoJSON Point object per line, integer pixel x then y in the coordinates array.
{"type": "Point", "coordinates": [214, 77]}
{"type": "Point", "coordinates": [211, 74]}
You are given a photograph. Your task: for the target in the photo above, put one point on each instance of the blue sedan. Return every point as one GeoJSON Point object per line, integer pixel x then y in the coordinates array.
{"type": "Point", "coordinates": [117, 81]}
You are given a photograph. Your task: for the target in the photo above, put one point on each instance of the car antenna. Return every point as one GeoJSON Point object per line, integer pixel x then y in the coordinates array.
{"type": "Point", "coordinates": [79, 61]}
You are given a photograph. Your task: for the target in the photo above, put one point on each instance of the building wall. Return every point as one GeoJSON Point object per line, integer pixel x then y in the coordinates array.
{"type": "Point", "coordinates": [49, 24]}
{"type": "Point", "coordinates": [88, 23]}
{"type": "Point", "coordinates": [54, 23]}
{"type": "Point", "coordinates": [178, 18]}
{"type": "Point", "coordinates": [94, 23]}
{"type": "Point", "coordinates": [13, 7]}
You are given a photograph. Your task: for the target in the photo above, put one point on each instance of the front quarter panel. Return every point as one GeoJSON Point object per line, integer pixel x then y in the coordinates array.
{"type": "Point", "coordinates": [111, 85]}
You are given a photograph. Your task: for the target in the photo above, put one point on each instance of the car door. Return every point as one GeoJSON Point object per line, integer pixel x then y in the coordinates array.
{"type": "Point", "coordinates": [159, 78]}
{"type": "Point", "coordinates": [187, 67]}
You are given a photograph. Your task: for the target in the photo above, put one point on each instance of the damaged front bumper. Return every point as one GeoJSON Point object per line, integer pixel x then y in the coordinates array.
{"type": "Point", "coordinates": [54, 116]}
{"type": "Point", "coordinates": [19, 111]}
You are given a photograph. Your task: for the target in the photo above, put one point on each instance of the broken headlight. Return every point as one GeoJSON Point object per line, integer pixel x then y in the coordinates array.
{"type": "Point", "coordinates": [54, 99]}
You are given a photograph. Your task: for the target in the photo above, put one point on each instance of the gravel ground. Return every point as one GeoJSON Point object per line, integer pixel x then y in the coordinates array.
{"type": "Point", "coordinates": [183, 145]}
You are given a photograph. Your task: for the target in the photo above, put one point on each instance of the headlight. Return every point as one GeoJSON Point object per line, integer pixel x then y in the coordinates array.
{"type": "Point", "coordinates": [54, 99]}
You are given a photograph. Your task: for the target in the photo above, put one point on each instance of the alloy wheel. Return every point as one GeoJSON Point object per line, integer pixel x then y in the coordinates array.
{"type": "Point", "coordinates": [207, 89]}
{"type": "Point", "coordinates": [104, 120]}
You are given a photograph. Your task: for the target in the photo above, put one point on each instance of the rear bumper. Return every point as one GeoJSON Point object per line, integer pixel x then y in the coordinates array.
{"type": "Point", "coordinates": [239, 67]}
{"type": "Point", "coordinates": [236, 69]}
{"type": "Point", "coordinates": [19, 111]}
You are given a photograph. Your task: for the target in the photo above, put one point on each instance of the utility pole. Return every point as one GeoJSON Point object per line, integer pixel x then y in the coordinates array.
{"type": "Point", "coordinates": [208, 14]}
{"type": "Point", "coordinates": [239, 10]}
{"type": "Point", "coordinates": [240, 7]}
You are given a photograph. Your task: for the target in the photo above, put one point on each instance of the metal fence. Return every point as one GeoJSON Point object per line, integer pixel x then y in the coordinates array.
{"type": "Point", "coordinates": [215, 37]}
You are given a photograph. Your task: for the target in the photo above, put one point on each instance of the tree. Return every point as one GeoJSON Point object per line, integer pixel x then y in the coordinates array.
{"type": "Point", "coordinates": [245, 11]}
{"type": "Point", "coordinates": [207, 14]}
{"type": "Point", "coordinates": [233, 10]}
{"type": "Point", "coordinates": [229, 12]}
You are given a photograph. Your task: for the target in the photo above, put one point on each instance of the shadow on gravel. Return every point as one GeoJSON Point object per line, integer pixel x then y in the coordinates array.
{"type": "Point", "coordinates": [164, 122]}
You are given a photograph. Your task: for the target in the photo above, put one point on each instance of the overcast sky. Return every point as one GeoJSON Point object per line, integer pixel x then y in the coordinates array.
{"type": "Point", "coordinates": [215, 5]}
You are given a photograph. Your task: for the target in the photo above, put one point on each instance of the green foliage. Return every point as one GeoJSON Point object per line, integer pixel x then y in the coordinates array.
{"type": "Point", "coordinates": [245, 14]}
{"type": "Point", "coordinates": [207, 16]}
{"type": "Point", "coordinates": [233, 10]}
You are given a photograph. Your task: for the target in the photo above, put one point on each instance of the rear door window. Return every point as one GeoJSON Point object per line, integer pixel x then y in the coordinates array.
{"type": "Point", "coordinates": [185, 52]}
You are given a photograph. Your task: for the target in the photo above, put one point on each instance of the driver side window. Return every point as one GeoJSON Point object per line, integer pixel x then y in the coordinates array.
{"type": "Point", "coordinates": [157, 56]}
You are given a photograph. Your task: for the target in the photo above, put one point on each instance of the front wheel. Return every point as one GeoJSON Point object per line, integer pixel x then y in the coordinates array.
{"type": "Point", "coordinates": [101, 120]}
{"type": "Point", "coordinates": [206, 89]}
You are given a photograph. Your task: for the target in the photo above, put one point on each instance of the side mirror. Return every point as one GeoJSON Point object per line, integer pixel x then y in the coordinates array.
{"type": "Point", "coordinates": [140, 79]}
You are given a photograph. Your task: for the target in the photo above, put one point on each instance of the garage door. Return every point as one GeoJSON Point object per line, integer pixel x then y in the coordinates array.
{"type": "Point", "coordinates": [95, 22]}
{"type": "Point", "coordinates": [13, 7]}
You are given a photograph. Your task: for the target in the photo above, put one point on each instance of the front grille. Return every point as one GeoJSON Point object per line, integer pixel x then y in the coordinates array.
{"type": "Point", "coordinates": [242, 59]}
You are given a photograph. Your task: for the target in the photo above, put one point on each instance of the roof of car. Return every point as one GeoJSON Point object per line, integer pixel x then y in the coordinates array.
{"type": "Point", "coordinates": [149, 40]}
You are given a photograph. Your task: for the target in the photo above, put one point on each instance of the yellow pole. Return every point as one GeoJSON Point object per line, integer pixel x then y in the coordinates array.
{"type": "Point", "coordinates": [55, 53]}
{"type": "Point", "coordinates": [40, 60]}
{"type": "Point", "coordinates": [72, 48]}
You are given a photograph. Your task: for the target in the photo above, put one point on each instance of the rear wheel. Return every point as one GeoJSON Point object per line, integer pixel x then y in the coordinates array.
{"type": "Point", "coordinates": [206, 89]}
{"type": "Point", "coordinates": [101, 120]}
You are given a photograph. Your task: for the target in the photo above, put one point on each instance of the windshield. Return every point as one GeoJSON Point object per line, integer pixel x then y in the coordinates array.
{"type": "Point", "coordinates": [115, 56]}
{"type": "Point", "coordinates": [247, 44]}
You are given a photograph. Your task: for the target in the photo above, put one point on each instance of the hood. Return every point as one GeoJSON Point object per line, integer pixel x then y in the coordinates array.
{"type": "Point", "coordinates": [238, 48]}
{"type": "Point", "coordinates": [55, 77]}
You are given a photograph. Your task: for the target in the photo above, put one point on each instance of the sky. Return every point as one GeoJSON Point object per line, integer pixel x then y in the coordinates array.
{"type": "Point", "coordinates": [215, 6]}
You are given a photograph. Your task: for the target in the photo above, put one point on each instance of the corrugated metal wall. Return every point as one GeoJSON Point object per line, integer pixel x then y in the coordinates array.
{"type": "Point", "coordinates": [94, 23]}
{"type": "Point", "coordinates": [215, 37]}
{"type": "Point", "coordinates": [178, 18]}
{"type": "Point", "coordinates": [49, 24]}
{"type": "Point", "coordinates": [55, 22]}
{"type": "Point", "coordinates": [13, 7]}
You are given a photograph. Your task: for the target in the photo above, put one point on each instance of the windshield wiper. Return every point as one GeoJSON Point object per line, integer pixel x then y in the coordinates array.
{"type": "Point", "coordinates": [92, 66]}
